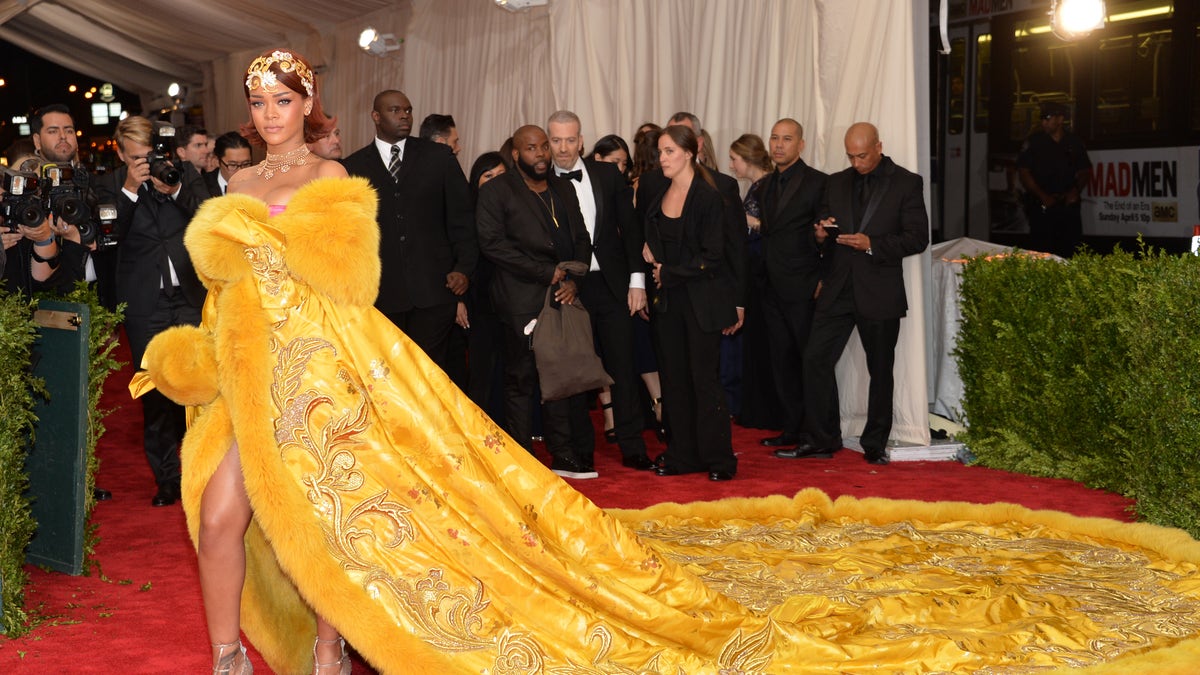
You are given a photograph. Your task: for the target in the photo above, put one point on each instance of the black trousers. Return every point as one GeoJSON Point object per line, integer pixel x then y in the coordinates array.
{"type": "Point", "coordinates": [613, 329]}
{"type": "Point", "coordinates": [163, 423]}
{"type": "Point", "coordinates": [566, 424]}
{"type": "Point", "coordinates": [1056, 230]}
{"type": "Point", "coordinates": [485, 361]}
{"type": "Point", "coordinates": [830, 331]}
{"type": "Point", "coordinates": [429, 327]}
{"type": "Point", "coordinates": [693, 398]}
{"type": "Point", "coordinates": [788, 325]}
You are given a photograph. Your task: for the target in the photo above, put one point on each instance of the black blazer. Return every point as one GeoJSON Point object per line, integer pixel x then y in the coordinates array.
{"type": "Point", "coordinates": [703, 266]}
{"type": "Point", "coordinates": [149, 231]}
{"type": "Point", "coordinates": [426, 227]}
{"type": "Point", "coordinates": [652, 185]}
{"type": "Point", "coordinates": [617, 239]}
{"type": "Point", "coordinates": [515, 236]}
{"type": "Point", "coordinates": [898, 225]}
{"type": "Point", "coordinates": [789, 247]}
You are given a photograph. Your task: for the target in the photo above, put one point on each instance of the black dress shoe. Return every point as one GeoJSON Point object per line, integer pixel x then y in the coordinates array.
{"type": "Point", "coordinates": [877, 458]}
{"type": "Point", "coordinates": [780, 440]}
{"type": "Point", "coordinates": [721, 475]}
{"type": "Point", "coordinates": [639, 462]}
{"type": "Point", "coordinates": [806, 451]}
{"type": "Point", "coordinates": [101, 495]}
{"type": "Point", "coordinates": [164, 497]}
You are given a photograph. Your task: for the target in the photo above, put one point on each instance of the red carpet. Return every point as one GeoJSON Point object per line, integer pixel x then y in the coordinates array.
{"type": "Point", "coordinates": [141, 611]}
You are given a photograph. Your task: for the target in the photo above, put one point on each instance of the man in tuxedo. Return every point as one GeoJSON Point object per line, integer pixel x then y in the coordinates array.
{"type": "Point", "coordinates": [614, 288]}
{"type": "Point", "coordinates": [155, 279]}
{"type": "Point", "coordinates": [441, 129]}
{"type": "Point", "coordinates": [529, 221]}
{"type": "Point", "coordinates": [791, 197]}
{"type": "Point", "coordinates": [233, 154]}
{"type": "Point", "coordinates": [427, 230]}
{"type": "Point", "coordinates": [872, 216]}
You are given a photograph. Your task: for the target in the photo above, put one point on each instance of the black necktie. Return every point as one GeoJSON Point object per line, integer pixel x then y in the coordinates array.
{"type": "Point", "coordinates": [394, 164]}
{"type": "Point", "coordinates": [576, 175]}
{"type": "Point", "coordinates": [864, 189]}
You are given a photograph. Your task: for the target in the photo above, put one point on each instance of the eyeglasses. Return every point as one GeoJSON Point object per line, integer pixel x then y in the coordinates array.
{"type": "Point", "coordinates": [236, 166]}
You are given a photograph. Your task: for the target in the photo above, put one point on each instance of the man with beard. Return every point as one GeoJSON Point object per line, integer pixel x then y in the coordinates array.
{"type": "Point", "coordinates": [529, 221]}
{"type": "Point", "coordinates": [427, 232]}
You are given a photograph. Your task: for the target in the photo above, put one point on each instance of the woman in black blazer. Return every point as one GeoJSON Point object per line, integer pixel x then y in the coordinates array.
{"type": "Point", "coordinates": [693, 303]}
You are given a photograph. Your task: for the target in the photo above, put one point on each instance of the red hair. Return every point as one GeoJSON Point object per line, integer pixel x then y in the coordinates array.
{"type": "Point", "coordinates": [316, 123]}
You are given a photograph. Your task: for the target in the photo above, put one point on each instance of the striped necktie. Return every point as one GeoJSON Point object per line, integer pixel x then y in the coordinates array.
{"type": "Point", "coordinates": [394, 165]}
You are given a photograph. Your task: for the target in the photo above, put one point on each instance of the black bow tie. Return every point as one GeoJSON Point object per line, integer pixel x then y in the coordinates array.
{"type": "Point", "coordinates": [576, 175]}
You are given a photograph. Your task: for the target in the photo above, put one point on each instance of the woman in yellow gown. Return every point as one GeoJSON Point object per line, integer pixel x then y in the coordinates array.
{"type": "Point", "coordinates": [371, 492]}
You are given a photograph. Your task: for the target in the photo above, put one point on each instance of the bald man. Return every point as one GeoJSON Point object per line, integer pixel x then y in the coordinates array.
{"type": "Point", "coordinates": [872, 216]}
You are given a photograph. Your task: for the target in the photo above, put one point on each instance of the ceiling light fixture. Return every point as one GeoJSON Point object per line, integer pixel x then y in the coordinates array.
{"type": "Point", "coordinates": [1076, 19]}
{"type": "Point", "coordinates": [518, 5]}
{"type": "Point", "coordinates": [379, 44]}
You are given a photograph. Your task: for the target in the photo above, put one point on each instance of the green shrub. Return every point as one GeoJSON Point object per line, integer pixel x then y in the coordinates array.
{"type": "Point", "coordinates": [17, 391]}
{"type": "Point", "coordinates": [1087, 370]}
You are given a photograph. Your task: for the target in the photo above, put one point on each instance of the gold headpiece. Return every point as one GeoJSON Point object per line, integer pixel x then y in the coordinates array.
{"type": "Point", "coordinates": [260, 74]}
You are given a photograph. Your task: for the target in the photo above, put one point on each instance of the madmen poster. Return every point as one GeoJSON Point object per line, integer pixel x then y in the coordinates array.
{"type": "Point", "coordinates": [1152, 191]}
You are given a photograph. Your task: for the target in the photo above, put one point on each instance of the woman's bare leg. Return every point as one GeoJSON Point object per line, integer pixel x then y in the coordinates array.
{"type": "Point", "coordinates": [224, 518]}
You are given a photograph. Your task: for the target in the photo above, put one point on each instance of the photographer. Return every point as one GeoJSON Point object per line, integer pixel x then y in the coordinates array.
{"type": "Point", "coordinates": [155, 277]}
{"type": "Point", "coordinates": [47, 255]}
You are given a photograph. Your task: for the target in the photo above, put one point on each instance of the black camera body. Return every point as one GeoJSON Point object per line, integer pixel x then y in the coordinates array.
{"type": "Point", "coordinates": [161, 151]}
{"type": "Point", "coordinates": [21, 203]}
{"type": "Point", "coordinates": [54, 190]}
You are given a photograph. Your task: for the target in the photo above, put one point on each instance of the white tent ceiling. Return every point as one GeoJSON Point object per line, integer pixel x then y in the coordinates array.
{"type": "Point", "coordinates": [144, 45]}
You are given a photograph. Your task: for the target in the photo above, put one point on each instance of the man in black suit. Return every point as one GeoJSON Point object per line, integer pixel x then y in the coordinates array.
{"type": "Point", "coordinates": [872, 216]}
{"type": "Point", "coordinates": [232, 153]}
{"type": "Point", "coordinates": [612, 291]}
{"type": "Point", "coordinates": [155, 279]}
{"type": "Point", "coordinates": [427, 230]}
{"type": "Point", "coordinates": [529, 221]}
{"type": "Point", "coordinates": [791, 197]}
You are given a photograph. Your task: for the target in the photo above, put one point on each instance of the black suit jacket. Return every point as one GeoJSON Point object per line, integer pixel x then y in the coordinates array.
{"type": "Point", "coordinates": [150, 231]}
{"type": "Point", "coordinates": [652, 185]}
{"type": "Point", "coordinates": [789, 247]}
{"type": "Point", "coordinates": [616, 238]}
{"type": "Point", "coordinates": [898, 225]}
{"type": "Point", "coordinates": [703, 266]}
{"type": "Point", "coordinates": [515, 236]}
{"type": "Point", "coordinates": [426, 226]}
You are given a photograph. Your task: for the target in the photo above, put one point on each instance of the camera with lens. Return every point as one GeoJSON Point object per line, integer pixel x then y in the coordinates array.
{"type": "Point", "coordinates": [163, 147]}
{"type": "Point", "coordinates": [21, 203]}
{"type": "Point", "coordinates": [63, 197]}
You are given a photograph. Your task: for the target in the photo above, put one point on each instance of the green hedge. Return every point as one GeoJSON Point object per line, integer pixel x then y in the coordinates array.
{"type": "Point", "coordinates": [1088, 370]}
{"type": "Point", "coordinates": [17, 392]}
{"type": "Point", "coordinates": [17, 389]}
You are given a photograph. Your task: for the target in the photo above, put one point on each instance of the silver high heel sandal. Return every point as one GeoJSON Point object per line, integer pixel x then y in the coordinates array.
{"type": "Point", "coordinates": [225, 660]}
{"type": "Point", "coordinates": [342, 664]}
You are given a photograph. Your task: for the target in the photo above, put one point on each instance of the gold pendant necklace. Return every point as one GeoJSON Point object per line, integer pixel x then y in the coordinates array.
{"type": "Point", "coordinates": [283, 163]}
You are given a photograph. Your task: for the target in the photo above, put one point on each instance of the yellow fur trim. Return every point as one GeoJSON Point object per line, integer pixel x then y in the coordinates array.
{"type": "Point", "coordinates": [333, 239]}
{"type": "Point", "coordinates": [217, 258]}
{"type": "Point", "coordinates": [183, 365]}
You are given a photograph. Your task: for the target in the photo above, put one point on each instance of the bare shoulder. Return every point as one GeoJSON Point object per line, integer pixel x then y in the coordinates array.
{"type": "Point", "coordinates": [328, 168]}
{"type": "Point", "coordinates": [240, 181]}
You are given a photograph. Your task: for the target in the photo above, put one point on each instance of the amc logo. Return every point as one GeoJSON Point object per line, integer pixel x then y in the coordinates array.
{"type": "Point", "coordinates": [1164, 212]}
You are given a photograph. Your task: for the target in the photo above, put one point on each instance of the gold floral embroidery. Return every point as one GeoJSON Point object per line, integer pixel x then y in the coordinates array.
{"type": "Point", "coordinates": [445, 618]}
{"type": "Point", "coordinates": [518, 654]}
{"type": "Point", "coordinates": [331, 446]}
{"type": "Point", "coordinates": [268, 267]}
